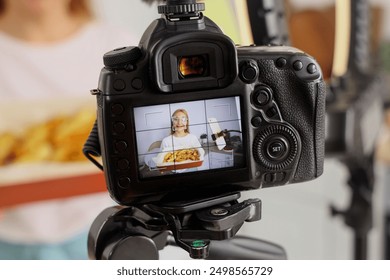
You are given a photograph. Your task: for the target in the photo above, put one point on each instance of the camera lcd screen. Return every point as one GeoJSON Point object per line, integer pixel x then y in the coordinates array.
{"type": "Point", "coordinates": [189, 137]}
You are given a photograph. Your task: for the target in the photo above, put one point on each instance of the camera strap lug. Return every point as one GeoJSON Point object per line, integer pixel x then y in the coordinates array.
{"type": "Point", "coordinates": [95, 91]}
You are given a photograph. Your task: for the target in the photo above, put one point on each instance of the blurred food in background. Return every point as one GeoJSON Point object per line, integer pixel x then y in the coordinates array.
{"type": "Point", "coordinates": [58, 139]}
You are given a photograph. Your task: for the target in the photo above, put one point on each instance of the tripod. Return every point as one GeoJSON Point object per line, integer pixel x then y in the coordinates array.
{"type": "Point", "coordinates": [359, 214]}
{"type": "Point", "coordinates": [204, 227]}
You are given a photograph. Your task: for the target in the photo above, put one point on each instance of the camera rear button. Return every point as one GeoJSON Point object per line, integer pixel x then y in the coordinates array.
{"type": "Point", "coordinates": [123, 164]}
{"type": "Point", "coordinates": [137, 83]}
{"type": "Point", "coordinates": [249, 71]}
{"type": "Point", "coordinates": [298, 65]}
{"type": "Point", "coordinates": [279, 176]}
{"type": "Point", "coordinates": [281, 62]}
{"type": "Point", "coordinates": [117, 109]}
{"type": "Point", "coordinates": [119, 127]}
{"type": "Point", "coordinates": [276, 149]}
{"type": "Point", "coordinates": [269, 177]}
{"type": "Point", "coordinates": [256, 121]}
{"type": "Point", "coordinates": [274, 177]}
{"type": "Point", "coordinates": [262, 97]}
{"type": "Point", "coordinates": [124, 182]}
{"type": "Point", "coordinates": [121, 146]}
{"type": "Point", "coordinates": [311, 68]}
{"type": "Point", "coordinates": [119, 85]}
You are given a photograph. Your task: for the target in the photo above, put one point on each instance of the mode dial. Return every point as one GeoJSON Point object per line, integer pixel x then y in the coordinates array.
{"type": "Point", "coordinates": [121, 57]}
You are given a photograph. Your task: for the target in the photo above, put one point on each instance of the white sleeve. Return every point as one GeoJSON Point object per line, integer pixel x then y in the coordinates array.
{"type": "Point", "coordinates": [166, 144]}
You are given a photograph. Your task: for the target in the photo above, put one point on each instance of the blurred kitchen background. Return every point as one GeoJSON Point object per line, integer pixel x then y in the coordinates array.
{"type": "Point", "coordinates": [297, 217]}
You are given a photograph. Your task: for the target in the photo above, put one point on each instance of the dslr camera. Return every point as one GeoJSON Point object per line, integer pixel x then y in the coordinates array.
{"type": "Point", "coordinates": [187, 113]}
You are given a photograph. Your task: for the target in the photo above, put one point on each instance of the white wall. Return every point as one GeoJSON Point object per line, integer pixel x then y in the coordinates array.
{"type": "Point", "coordinates": [131, 15]}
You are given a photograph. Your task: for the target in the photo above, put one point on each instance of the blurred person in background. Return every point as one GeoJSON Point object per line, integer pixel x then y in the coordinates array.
{"type": "Point", "coordinates": [51, 49]}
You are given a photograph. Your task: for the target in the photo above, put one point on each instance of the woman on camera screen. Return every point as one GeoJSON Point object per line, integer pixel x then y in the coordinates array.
{"type": "Point", "coordinates": [180, 138]}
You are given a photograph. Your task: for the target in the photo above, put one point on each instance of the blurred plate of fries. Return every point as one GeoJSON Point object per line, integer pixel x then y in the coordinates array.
{"type": "Point", "coordinates": [181, 159]}
{"type": "Point", "coordinates": [44, 138]}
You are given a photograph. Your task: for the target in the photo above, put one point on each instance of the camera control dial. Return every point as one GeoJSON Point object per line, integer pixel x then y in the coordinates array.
{"type": "Point", "coordinates": [275, 147]}
{"type": "Point", "coordinates": [122, 57]}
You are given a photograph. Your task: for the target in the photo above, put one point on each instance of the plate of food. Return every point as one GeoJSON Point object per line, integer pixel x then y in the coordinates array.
{"type": "Point", "coordinates": [179, 160]}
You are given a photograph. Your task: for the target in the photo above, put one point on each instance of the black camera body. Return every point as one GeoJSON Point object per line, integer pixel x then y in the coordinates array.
{"type": "Point", "coordinates": [256, 114]}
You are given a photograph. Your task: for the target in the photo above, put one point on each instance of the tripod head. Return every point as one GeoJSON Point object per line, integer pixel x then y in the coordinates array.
{"type": "Point", "coordinates": [138, 232]}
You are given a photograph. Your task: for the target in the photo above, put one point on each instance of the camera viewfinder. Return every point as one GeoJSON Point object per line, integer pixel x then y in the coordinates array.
{"type": "Point", "coordinates": [193, 66]}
